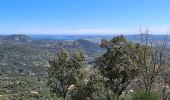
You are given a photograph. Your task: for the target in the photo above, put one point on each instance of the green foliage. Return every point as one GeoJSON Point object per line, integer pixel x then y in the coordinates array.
{"type": "Point", "coordinates": [66, 71]}
{"type": "Point", "coordinates": [144, 96]}
{"type": "Point", "coordinates": [118, 64]}
{"type": "Point", "coordinates": [94, 89]}
{"type": "Point", "coordinates": [24, 66]}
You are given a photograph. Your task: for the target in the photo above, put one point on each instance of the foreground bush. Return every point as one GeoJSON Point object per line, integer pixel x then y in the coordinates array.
{"type": "Point", "coordinates": [144, 96]}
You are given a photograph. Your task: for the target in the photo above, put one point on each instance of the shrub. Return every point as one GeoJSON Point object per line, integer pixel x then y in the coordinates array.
{"type": "Point", "coordinates": [144, 96]}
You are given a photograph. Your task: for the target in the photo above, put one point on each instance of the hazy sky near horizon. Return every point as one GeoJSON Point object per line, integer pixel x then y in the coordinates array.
{"type": "Point", "coordinates": [83, 16]}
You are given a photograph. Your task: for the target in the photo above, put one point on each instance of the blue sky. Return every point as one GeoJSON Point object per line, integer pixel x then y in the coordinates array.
{"type": "Point", "coordinates": [83, 16]}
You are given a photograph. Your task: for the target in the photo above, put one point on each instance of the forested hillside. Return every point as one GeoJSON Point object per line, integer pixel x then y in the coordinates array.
{"type": "Point", "coordinates": [117, 68]}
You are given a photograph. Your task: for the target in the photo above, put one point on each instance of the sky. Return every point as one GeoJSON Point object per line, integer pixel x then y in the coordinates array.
{"type": "Point", "coordinates": [84, 16]}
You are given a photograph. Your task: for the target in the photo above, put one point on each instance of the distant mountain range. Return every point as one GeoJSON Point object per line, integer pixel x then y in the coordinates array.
{"type": "Point", "coordinates": [25, 38]}
{"type": "Point", "coordinates": [22, 53]}
{"type": "Point", "coordinates": [98, 38]}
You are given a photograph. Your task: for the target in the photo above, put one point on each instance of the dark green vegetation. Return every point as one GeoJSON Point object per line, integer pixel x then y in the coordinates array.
{"type": "Point", "coordinates": [66, 73]}
{"type": "Point", "coordinates": [118, 64]}
{"type": "Point", "coordinates": [83, 70]}
{"type": "Point", "coordinates": [144, 96]}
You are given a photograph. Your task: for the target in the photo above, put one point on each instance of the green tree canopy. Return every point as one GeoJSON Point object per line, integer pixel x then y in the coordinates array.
{"type": "Point", "coordinates": [66, 73]}
{"type": "Point", "coordinates": [118, 64]}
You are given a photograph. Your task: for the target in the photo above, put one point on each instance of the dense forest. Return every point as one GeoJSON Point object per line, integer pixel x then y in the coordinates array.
{"type": "Point", "coordinates": [118, 68]}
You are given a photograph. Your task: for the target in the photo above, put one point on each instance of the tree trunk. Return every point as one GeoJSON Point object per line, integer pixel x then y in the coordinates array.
{"type": "Point", "coordinates": [64, 98]}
